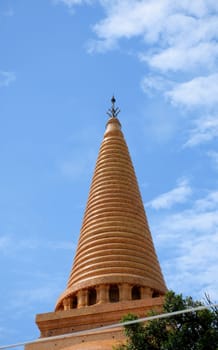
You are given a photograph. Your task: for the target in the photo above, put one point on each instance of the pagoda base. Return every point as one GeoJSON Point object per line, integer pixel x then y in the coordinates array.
{"type": "Point", "coordinates": [87, 319]}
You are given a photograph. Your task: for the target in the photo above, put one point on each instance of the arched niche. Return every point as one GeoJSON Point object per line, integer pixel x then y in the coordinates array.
{"type": "Point", "coordinates": [136, 293]}
{"type": "Point", "coordinates": [74, 302]}
{"type": "Point", "coordinates": [92, 296]}
{"type": "Point", "coordinates": [155, 294]}
{"type": "Point", "coordinates": [114, 295]}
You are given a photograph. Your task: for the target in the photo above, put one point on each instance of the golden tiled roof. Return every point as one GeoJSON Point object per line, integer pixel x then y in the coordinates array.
{"type": "Point", "coordinates": [115, 244]}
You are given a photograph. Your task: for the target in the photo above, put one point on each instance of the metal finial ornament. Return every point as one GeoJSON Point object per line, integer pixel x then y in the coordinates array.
{"type": "Point", "coordinates": [113, 111]}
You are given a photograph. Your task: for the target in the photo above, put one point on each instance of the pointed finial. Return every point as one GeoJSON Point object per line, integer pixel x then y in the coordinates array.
{"type": "Point", "coordinates": [113, 100]}
{"type": "Point", "coordinates": [113, 112]}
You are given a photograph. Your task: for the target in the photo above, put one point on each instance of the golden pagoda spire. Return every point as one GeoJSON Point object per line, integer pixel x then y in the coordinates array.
{"type": "Point", "coordinates": [115, 258]}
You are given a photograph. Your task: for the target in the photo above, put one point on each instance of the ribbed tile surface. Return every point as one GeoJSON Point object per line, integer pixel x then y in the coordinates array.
{"type": "Point", "coordinates": [115, 242]}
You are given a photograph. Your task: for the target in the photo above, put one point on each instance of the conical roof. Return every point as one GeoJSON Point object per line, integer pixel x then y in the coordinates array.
{"type": "Point", "coordinates": [115, 244]}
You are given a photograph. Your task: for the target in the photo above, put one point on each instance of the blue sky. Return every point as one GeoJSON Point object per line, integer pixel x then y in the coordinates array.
{"type": "Point", "coordinates": [60, 63]}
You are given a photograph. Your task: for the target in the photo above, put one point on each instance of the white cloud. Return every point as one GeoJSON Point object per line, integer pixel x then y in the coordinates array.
{"type": "Point", "coordinates": [179, 40]}
{"type": "Point", "coordinates": [190, 263]}
{"type": "Point", "coordinates": [183, 58]}
{"type": "Point", "coordinates": [193, 269]}
{"type": "Point", "coordinates": [191, 221]}
{"type": "Point", "coordinates": [202, 216]}
{"type": "Point", "coordinates": [180, 194]}
{"type": "Point", "coordinates": [205, 129]}
{"type": "Point", "coordinates": [183, 29]}
{"type": "Point", "coordinates": [131, 18]}
{"type": "Point", "coordinates": [193, 272]}
{"type": "Point", "coordinates": [200, 91]}
{"type": "Point", "coordinates": [187, 30]}
{"type": "Point", "coordinates": [199, 8]}
{"type": "Point", "coordinates": [6, 78]}
{"type": "Point", "coordinates": [153, 83]}
{"type": "Point", "coordinates": [182, 37]}
{"type": "Point", "coordinates": [209, 202]}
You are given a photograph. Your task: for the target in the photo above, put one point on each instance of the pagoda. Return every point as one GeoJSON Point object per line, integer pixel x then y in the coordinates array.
{"type": "Point", "coordinates": [115, 269]}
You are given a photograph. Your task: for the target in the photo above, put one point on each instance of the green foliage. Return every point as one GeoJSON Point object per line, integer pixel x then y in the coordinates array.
{"type": "Point", "coordinates": [197, 330]}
